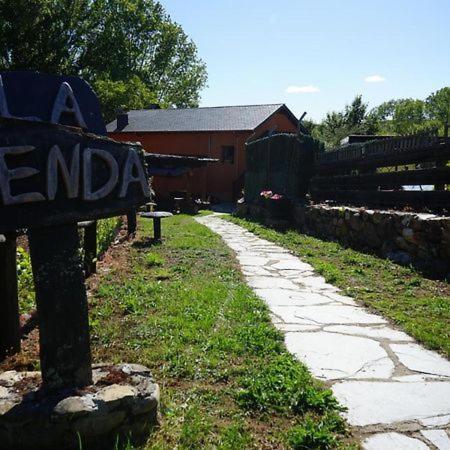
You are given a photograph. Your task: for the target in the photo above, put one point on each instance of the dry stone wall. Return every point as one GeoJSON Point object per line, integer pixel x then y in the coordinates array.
{"type": "Point", "coordinates": [406, 238]}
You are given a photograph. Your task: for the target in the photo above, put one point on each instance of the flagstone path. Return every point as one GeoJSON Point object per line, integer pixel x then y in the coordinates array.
{"type": "Point", "coordinates": [397, 392]}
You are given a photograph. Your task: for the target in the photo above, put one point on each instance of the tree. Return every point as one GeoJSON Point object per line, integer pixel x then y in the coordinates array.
{"type": "Point", "coordinates": [410, 118]}
{"type": "Point", "coordinates": [114, 44]}
{"type": "Point", "coordinates": [354, 119]}
{"type": "Point", "coordinates": [438, 108]}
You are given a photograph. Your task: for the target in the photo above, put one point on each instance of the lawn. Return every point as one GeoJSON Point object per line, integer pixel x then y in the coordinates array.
{"type": "Point", "coordinates": [227, 381]}
{"type": "Point", "coordinates": [418, 305]}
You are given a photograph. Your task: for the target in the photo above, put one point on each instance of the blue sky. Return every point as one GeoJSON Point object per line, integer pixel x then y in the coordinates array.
{"type": "Point", "coordinates": [316, 55]}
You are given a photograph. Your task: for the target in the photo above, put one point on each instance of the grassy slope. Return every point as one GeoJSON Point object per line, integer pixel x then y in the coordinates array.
{"type": "Point", "coordinates": [227, 382]}
{"type": "Point", "coordinates": [419, 305]}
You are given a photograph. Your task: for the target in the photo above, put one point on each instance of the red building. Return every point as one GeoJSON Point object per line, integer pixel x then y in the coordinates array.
{"type": "Point", "coordinates": [217, 132]}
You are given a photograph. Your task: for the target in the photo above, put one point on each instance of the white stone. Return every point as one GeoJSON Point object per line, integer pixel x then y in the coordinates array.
{"type": "Point", "coordinates": [270, 283]}
{"type": "Point", "coordinates": [378, 402]}
{"type": "Point", "coordinates": [295, 327]}
{"type": "Point", "coordinates": [418, 359]}
{"type": "Point", "coordinates": [252, 260]}
{"type": "Point", "coordinates": [284, 297]}
{"type": "Point", "coordinates": [341, 298]}
{"type": "Point", "coordinates": [393, 441]}
{"type": "Point", "coordinates": [414, 378]}
{"type": "Point", "coordinates": [374, 332]}
{"type": "Point", "coordinates": [439, 438]}
{"type": "Point", "coordinates": [287, 315]}
{"type": "Point", "coordinates": [255, 270]}
{"type": "Point", "coordinates": [437, 421]}
{"type": "Point", "coordinates": [338, 314]}
{"type": "Point", "coordinates": [292, 264]}
{"type": "Point", "coordinates": [3, 392]}
{"type": "Point", "coordinates": [332, 356]}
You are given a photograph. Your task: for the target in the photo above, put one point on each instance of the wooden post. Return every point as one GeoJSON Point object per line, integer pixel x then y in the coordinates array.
{"type": "Point", "coordinates": [62, 307]}
{"type": "Point", "coordinates": [9, 306]}
{"type": "Point", "coordinates": [90, 248]}
{"type": "Point", "coordinates": [131, 222]}
{"type": "Point", "coordinates": [157, 229]}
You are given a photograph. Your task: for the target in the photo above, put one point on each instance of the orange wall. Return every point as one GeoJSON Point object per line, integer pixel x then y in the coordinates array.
{"type": "Point", "coordinates": [216, 179]}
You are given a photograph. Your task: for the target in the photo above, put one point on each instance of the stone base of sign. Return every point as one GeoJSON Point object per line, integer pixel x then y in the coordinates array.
{"type": "Point", "coordinates": [120, 406]}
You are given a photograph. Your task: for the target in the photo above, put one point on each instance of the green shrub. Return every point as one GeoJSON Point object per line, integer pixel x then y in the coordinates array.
{"type": "Point", "coordinates": [25, 281]}
{"type": "Point", "coordinates": [284, 385]}
{"type": "Point", "coordinates": [153, 259]}
{"type": "Point", "coordinates": [106, 232]}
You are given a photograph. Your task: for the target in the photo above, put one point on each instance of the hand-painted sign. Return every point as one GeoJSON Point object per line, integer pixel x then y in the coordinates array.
{"type": "Point", "coordinates": [52, 173]}
{"type": "Point", "coordinates": [50, 98]}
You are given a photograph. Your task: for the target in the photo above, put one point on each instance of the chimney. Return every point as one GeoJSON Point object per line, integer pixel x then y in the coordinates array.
{"type": "Point", "coordinates": [122, 120]}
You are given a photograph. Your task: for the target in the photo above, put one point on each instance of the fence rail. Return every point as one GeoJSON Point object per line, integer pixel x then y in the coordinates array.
{"type": "Point", "coordinates": [350, 175]}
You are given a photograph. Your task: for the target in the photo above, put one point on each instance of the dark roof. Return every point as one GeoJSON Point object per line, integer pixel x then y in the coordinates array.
{"type": "Point", "coordinates": [220, 118]}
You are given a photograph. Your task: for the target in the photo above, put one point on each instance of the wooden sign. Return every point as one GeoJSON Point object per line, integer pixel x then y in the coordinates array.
{"type": "Point", "coordinates": [52, 174]}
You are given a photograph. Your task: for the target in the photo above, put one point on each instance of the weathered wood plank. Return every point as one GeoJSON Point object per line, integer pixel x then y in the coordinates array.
{"type": "Point", "coordinates": [9, 306]}
{"type": "Point", "coordinates": [52, 174]}
{"type": "Point", "coordinates": [437, 153]}
{"type": "Point", "coordinates": [432, 199]}
{"type": "Point", "coordinates": [372, 181]}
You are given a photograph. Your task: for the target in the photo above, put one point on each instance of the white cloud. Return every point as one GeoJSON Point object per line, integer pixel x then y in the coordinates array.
{"type": "Point", "coordinates": [374, 79]}
{"type": "Point", "coordinates": [302, 89]}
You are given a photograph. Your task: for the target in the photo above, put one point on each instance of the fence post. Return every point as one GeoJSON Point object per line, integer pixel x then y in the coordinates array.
{"type": "Point", "coordinates": [90, 248]}
{"type": "Point", "coordinates": [131, 222]}
{"type": "Point", "coordinates": [9, 305]}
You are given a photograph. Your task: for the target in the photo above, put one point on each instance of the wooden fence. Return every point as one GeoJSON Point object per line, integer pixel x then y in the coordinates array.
{"type": "Point", "coordinates": [368, 173]}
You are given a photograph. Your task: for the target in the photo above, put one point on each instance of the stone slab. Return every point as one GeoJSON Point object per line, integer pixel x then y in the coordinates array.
{"type": "Point", "coordinates": [372, 402]}
{"type": "Point", "coordinates": [393, 441]}
{"type": "Point", "coordinates": [439, 438]}
{"type": "Point", "coordinates": [437, 421]}
{"type": "Point", "coordinates": [332, 356]}
{"type": "Point", "coordinates": [418, 359]}
{"type": "Point", "coordinates": [382, 332]}
{"type": "Point", "coordinates": [260, 282]}
{"type": "Point", "coordinates": [338, 314]}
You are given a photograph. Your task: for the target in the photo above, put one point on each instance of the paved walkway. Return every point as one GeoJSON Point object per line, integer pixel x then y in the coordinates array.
{"type": "Point", "coordinates": [397, 393]}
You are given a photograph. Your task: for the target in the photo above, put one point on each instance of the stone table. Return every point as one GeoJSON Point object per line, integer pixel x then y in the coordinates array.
{"type": "Point", "coordinates": [156, 216]}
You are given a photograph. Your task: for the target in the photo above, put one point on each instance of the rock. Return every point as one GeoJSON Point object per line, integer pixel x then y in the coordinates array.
{"type": "Point", "coordinates": [4, 393]}
{"type": "Point", "coordinates": [115, 393]}
{"type": "Point", "coordinates": [438, 438]}
{"type": "Point", "coordinates": [393, 441]}
{"type": "Point", "coordinates": [408, 235]}
{"type": "Point", "coordinates": [418, 359]}
{"type": "Point", "coordinates": [399, 257]}
{"type": "Point", "coordinates": [75, 406]}
{"type": "Point", "coordinates": [332, 356]}
{"type": "Point", "coordinates": [384, 402]}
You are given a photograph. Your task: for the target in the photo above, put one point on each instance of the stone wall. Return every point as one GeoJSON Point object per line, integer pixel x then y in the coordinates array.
{"type": "Point", "coordinates": [406, 238]}
{"type": "Point", "coordinates": [422, 240]}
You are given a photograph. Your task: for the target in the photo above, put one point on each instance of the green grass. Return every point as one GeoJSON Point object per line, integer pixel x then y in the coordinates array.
{"type": "Point", "coordinates": [226, 378]}
{"type": "Point", "coordinates": [418, 305]}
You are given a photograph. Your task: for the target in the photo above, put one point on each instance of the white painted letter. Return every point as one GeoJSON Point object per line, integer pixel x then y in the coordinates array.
{"type": "Point", "coordinates": [113, 167]}
{"type": "Point", "coordinates": [71, 179]}
{"type": "Point", "coordinates": [6, 175]}
{"type": "Point", "coordinates": [133, 161]}
{"type": "Point", "coordinates": [65, 102]}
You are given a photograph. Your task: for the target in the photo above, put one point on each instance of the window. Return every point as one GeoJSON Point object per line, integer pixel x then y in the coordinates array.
{"type": "Point", "coordinates": [228, 154]}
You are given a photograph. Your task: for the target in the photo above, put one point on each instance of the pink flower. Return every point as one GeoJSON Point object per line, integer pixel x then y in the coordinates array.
{"type": "Point", "coordinates": [276, 197]}
{"type": "Point", "coordinates": [266, 194]}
